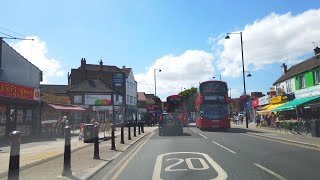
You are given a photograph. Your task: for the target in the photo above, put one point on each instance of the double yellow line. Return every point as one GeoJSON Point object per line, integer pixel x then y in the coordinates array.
{"type": "Point", "coordinates": [113, 174]}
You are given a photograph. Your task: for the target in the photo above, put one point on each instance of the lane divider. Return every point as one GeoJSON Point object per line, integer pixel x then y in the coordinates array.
{"type": "Point", "coordinates": [224, 147]}
{"type": "Point", "coordinates": [269, 171]}
{"type": "Point", "coordinates": [199, 133]}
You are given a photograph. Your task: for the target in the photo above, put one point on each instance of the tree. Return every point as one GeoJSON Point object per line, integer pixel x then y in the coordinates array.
{"type": "Point", "coordinates": [190, 96]}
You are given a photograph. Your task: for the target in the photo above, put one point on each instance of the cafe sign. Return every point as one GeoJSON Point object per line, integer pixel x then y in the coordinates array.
{"type": "Point", "coordinates": [18, 91]}
{"type": "Point", "coordinates": [278, 99]}
{"type": "Point", "coordinates": [51, 98]}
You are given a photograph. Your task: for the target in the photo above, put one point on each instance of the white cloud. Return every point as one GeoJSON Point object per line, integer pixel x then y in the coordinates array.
{"type": "Point", "coordinates": [185, 70]}
{"type": "Point", "coordinates": [36, 52]}
{"type": "Point", "coordinates": [274, 38]}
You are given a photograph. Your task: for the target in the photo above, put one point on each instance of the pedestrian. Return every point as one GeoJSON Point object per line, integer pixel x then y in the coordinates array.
{"type": "Point", "coordinates": [81, 134]}
{"type": "Point", "coordinates": [258, 119]}
{"type": "Point", "coordinates": [93, 121]}
{"type": "Point", "coordinates": [66, 121]}
{"type": "Point", "coordinates": [241, 119]}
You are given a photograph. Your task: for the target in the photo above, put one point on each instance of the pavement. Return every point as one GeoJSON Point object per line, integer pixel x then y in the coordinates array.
{"type": "Point", "coordinates": [44, 159]}
{"type": "Point", "coordinates": [280, 134]}
{"type": "Point", "coordinates": [232, 154]}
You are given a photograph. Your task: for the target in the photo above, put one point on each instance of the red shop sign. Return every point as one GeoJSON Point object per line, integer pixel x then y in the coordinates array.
{"type": "Point", "coordinates": [16, 91]}
{"type": "Point", "coordinates": [255, 103]}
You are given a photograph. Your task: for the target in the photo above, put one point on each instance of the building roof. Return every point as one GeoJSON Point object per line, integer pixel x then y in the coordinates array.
{"type": "Point", "coordinates": [304, 66]}
{"type": "Point", "coordinates": [127, 71]}
{"type": "Point", "coordinates": [92, 86]}
{"type": "Point", "coordinates": [54, 89]}
{"type": "Point", "coordinates": [141, 96]}
{"type": "Point", "coordinates": [95, 67]}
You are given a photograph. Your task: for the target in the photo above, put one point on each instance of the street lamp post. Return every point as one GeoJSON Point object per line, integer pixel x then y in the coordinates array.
{"type": "Point", "coordinates": [214, 76]}
{"type": "Point", "coordinates": [243, 72]}
{"type": "Point", "coordinates": [155, 81]}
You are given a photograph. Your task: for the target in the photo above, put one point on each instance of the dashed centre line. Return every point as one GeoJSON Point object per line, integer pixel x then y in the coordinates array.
{"type": "Point", "coordinates": [269, 171]}
{"type": "Point", "coordinates": [224, 147]}
{"type": "Point", "coordinates": [199, 134]}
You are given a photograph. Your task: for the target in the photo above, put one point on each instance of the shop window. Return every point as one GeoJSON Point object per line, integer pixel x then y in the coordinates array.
{"type": "Point", "coordinates": [302, 82]}
{"type": "Point", "coordinates": [2, 114]}
{"type": "Point", "coordinates": [28, 115]}
{"type": "Point", "coordinates": [317, 76]}
{"type": "Point", "coordinates": [19, 116]}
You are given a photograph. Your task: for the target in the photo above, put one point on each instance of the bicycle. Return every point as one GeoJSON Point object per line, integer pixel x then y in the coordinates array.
{"type": "Point", "coordinates": [305, 128]}
{"type": "Point", "coordinates": [295, 127]}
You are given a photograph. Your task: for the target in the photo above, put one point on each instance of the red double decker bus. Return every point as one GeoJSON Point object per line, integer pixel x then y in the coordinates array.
{"type": "Point", "coordinates": [176, 104]}
{"type": "Point", "coordinates": [212, 105]}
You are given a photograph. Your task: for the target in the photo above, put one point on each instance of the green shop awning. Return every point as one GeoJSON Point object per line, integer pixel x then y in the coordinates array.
{"type": "Point", "coordinates": [291, 105]}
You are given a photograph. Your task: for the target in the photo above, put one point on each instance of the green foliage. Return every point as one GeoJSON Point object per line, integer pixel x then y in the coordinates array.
{"type": "Point", "coordinates": [190, 96]}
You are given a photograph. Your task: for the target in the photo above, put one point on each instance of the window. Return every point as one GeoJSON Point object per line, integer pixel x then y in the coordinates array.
{"type": "Point", "coordinates": [317, 76]}
{"type": "Point", "coordinates": [117, 97]}
{"type": "Point", "coordinates": [134, 99]}
{"type": "Point", "coordinates": [288, 86]}
{"type": "Point", "coordinates": [302, 82]}
{"type": "Point", "coordinates": [128, 99]}
{"type": "Point", "coordinates": [77, 99]}
{"type": "Point", "coordinates": [131, 99]}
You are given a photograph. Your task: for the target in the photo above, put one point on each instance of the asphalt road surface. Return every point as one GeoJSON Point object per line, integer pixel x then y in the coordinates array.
{"type": "Point", "coordinates": [213, 155]}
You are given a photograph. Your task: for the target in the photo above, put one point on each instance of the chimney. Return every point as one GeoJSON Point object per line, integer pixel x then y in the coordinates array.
{"type": "Point", "coordinates": [284, 68]}
{"type": "Point", "coordinates": [317, 51]}
{"type": "Point", "coordinates": [123, 67]}
{"type": "Point", "coordinates": [68, 78]}
{"type": "Point", "coordinates": [101, 65]}
{"type": "Point", "coordinates": [83, 63]}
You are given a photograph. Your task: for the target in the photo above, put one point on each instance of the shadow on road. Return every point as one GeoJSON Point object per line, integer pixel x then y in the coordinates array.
{"type": "Point", "coordinates": [184, 134]}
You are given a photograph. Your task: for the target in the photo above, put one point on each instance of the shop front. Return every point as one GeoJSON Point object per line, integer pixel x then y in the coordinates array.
{"type": "Point", "coordinates": [19, 109]}
{"type": "Point", "coordinates": [54, 108]}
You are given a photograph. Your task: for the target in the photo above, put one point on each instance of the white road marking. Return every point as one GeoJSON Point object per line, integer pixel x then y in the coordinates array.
{"type": "Point", "coordinates": [269, 171]}
{"type": "Point", "coordinates": [224, 147]}
{"type": "Point", "coordinates": [157, 167]}
{"type": "Point", "coordinates": [202, 161]}
{"type": "Point", "coordinates": [199, 134]}
{"type": "Point", "coordinates": [126, 159]}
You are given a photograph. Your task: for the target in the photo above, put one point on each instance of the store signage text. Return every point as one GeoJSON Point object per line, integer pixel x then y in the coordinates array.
{"type": "Point", "coordinates": [16, 91]}
{"type": "Point", "coordinates": [278, 99]}
{"type": "Point", "coordinates": [264, 100]}
{"type": "Point", "coordinates": [51, 98]}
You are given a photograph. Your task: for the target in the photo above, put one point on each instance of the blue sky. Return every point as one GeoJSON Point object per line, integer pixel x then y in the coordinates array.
{"type": "Point", "coordinates": [139, 33]}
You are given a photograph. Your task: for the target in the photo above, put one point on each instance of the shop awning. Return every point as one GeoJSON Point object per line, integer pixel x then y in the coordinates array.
{"type": "Point", "coordinates": [66, 107]}
{"type": "Point", "coordinates": [291, 105]}
{"type": "Point", "coordinates": [269, 108]}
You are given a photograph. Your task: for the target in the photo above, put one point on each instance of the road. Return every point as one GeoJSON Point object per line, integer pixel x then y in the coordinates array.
{"type": "Point", "coordinates": [208, 155]}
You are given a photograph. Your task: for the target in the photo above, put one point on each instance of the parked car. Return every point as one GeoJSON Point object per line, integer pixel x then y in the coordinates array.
{"type": "Point", "coordinates": [169, 123]}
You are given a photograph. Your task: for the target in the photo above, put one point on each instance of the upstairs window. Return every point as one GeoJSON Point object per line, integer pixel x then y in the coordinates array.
{"type": "Point", "coordinates": [289, 86]}
{"type": "Point", "coordinates": [302, 82]}
{"type": "Point", "coordinates": [317, 76]}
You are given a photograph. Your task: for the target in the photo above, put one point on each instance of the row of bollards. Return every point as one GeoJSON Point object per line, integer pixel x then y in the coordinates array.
{"type": "Point", "coordinates": [15, 141]}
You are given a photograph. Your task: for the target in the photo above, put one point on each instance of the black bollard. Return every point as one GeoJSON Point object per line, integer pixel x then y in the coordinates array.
{"type": "Point", "coordinates": [139, 127]}
{"type": "Point", "coordinates": [142, 128]}
{"type": "Point", "coordinates": [129, 132]}
{"type": "Point", "coordinates": [96, 143]}
{"type": "Point", "coordinates": [122, 134]}
{"type": "Point", "coordinates": [113, 142]}
{"type": "Point", "coordinates": [14, 162]}
{"type": "Point", "coordinates": [134, 130]}
{"type": "Point", "coordinates": [67, 152]}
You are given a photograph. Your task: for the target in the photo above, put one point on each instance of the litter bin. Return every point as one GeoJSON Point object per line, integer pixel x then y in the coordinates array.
{"type": "Point", "coordinates": [88, 132]}
{"type": "Point", "coordinates": [315, 128]}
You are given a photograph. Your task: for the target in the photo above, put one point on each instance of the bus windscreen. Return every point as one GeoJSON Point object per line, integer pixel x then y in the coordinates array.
{"type": "Point", "coordinates": [208, 88]}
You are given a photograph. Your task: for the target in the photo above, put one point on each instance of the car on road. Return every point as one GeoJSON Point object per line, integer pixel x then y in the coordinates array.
{"type": "Point", "coordinates": [191, 120]}
{"type": "Point", "coordinates": [170, 123]}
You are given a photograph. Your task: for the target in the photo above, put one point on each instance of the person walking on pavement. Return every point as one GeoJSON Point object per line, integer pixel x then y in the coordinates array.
{"type": "Point", "coordinates": [258, 120]}
{"type": "Point", "coordinates": [66, 121]}
{"type": "Point", "coordinates": [241, 119]}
